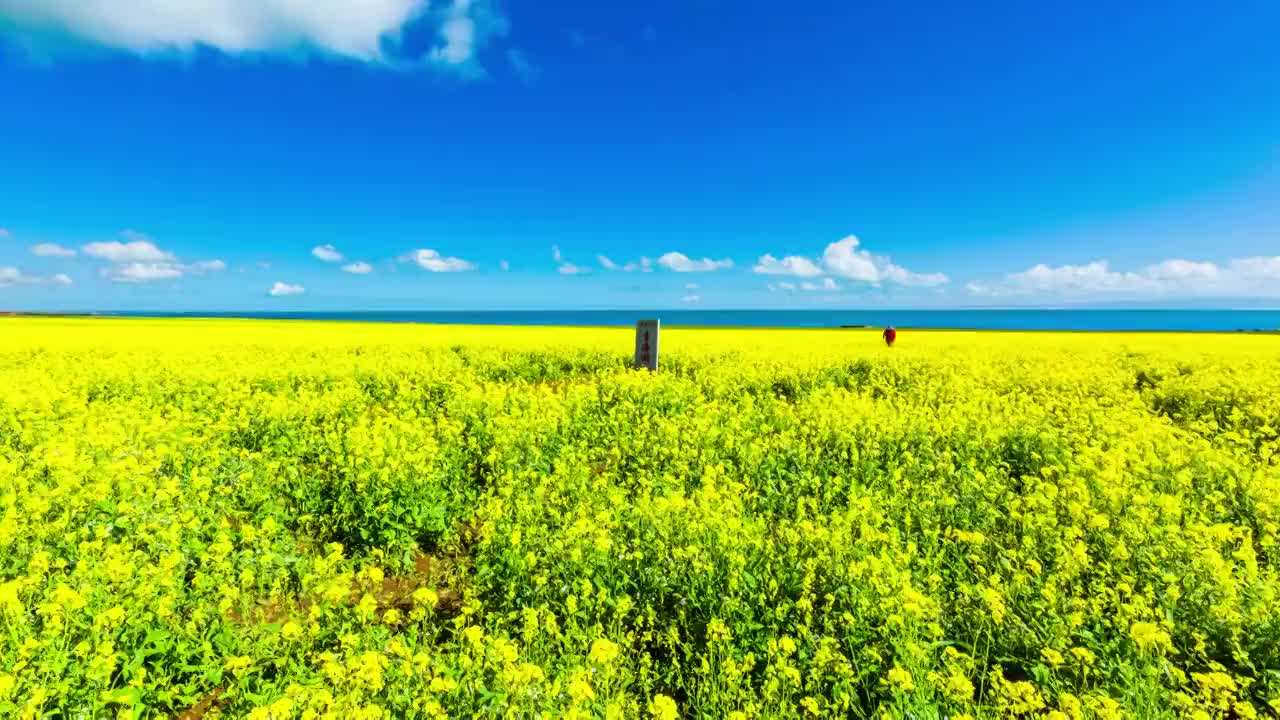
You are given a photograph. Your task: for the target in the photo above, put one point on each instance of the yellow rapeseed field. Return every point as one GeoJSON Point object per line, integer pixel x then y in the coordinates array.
{"type": "Point", "coordinates": [304, 520]}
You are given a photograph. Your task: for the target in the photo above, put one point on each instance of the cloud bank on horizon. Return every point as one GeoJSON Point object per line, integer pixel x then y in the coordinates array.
{"type": "Point", "coordinates": [134, 258]}
{"type": "Point", "coordinates": [1167, 279]}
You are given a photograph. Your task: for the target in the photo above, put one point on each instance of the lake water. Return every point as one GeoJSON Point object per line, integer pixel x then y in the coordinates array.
{"type": "Point", "coordinates": [1073, 320]}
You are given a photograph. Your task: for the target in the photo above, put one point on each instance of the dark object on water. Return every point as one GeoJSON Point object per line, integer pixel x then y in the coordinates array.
{"type": "Point", "coordinates": [890, 335]}
{"type": "Point", "coordinates": [854, 327]}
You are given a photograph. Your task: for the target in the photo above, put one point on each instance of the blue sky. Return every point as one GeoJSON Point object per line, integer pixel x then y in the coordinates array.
{"type": "Point", "coordinates": [469, 154]}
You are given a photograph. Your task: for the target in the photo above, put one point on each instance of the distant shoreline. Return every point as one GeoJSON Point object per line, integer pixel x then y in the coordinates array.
{"type": "Point", "coordinates": [495, 319]}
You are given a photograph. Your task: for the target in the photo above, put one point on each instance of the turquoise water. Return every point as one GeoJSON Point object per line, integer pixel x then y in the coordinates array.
{"type": "Point", "coordinates": [1078, 320]}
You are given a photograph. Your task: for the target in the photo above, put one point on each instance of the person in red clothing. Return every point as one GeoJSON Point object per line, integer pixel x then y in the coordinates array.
{"type": "Point", "coordinates": [890, 335]}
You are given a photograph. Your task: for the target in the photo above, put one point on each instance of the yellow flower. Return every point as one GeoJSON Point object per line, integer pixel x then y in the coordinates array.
{"type": "Point", "coordinates": [69, 599]}
{"type": "Point", "coordinates": [1051, 656]}
{"type": "Point", "coordinates": [1084, 656]}
{"type": "Point", "coordinates": [787, 646]}
{"type": "Point", "coordinates": [603, 651]}
{"type": "Point", "coordinates": [663, 708]}
{"type": "Point", "coordinates": [958, 688]}
{"type": "Point", "coordinates": [900, 679]}
{"type": "Point", "coordinates": [995, 604]}
{"type": "Point", "coordinates": [9, 601]}
{"type": "Point", "coordinates": [367, 607]}
{"type": "Point", "coordinates": [440, 684]}
{"type": "Point", "coordinates": [39, 563]}
{"type": "Point", "coordinates": [367, 668]}
{"type": "Point", "coordinates": [1244, 710]}
{"type": "Point", "coordinates": [524, 674]}
{"type": "Point", "coordinates": [1148, 635]}
{"type": "Point", "coordinates": [291, 631]}
{"type": "Point", "coordinates": [238, 664]}
{"type": "Point", "coordinates": [113, 616]}
{"type": "Point", "coordinates": [397, 647]}
{"type": "Point", "coordinates": [425, 598]}
{"type": "Point", "coordinates": [1070, 704]}
{"type": "Point", "coordinates": [282, 708]}
{"type": "Point", "coordinates": [580, 688]}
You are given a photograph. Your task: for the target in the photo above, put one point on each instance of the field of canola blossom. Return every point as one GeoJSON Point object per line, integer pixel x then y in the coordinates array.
{"type": "Point", "coordinates": [304, 520]}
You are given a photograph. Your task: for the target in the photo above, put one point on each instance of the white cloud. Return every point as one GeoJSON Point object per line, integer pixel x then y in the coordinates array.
{"type": "Point", "coordinates": [10, 276]}
{"type": "Point", "coordinates": [233, 26]}
{"type": "Point", "coordinates": [203, 266]}
{"type": "Point", "coordinates": [691, 286]}
{"type": "Point", "coordinates": [52, 250]}
{"type": "Point", "coordinates": [280, 289]}
{"type": "Point", "coordinates": [790, 265]}
{"type": "Point", "coordinates": [1256, 268]}
{"type": "Point", "coordinates": [358, 268]}
{"type": "Point", "coordinates": [691, 299]}
{"type": "Point", "coordinates": [459, 35]}
{"type": "Point", "coordinates": [644, 264]}
{"type": "Point", "coordinates": [136, 248]}
{"type": "Point", "coordinates": [137, 259]}
{"type": "Point", "coordinates": [140, 272]}
{"type": "Point", "coordinates": [679, 262]}
{"type": "Point", "coordinates": [903, 276]}
{"type": "Point", "coordinates": [1177, 277]}
{"type": "Point", "coordinates": [4, 234]}
{"type": "Point", "coordinates": [327, 253]}
{"type": "Point", "coordinates": [504, 265]}
{"type": "Point", "coordinates": [264, 265]}
{"type": "Point", "coordinates": [845, 259]}
{"type": "Point", "coordinates": [369, 30]}
{"type": "Point", "coordinates": [606, 263]}
{"type": "Point", "coordinates": [432, 260]}
{"type": "Point", "coordinates": [465, 27]}
{"type": "Point", "coordinates": [1182, 270]}
{"type": "Point", "coordinates": [827, 284]}
{"type": "Point", "coordinates": [566, 267]}
{"type": "Point", "coordinates": [14, 276]}
{"type": "Point", "coordinates": [1094, 277]}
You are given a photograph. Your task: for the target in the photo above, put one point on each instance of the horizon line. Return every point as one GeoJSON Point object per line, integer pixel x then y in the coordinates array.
{"type": "Point", "coordinates": [978, 308]}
